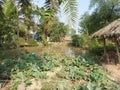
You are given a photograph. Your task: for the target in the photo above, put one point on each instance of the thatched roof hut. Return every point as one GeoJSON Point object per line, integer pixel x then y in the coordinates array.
{"type": "Point", "coordinates": [111, 31]}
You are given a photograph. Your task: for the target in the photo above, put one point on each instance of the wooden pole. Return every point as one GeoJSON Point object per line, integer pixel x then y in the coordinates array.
{"type": "Point", "coordinates": [105, 51]}
{"type": "Point", "coordinates": [117, 50]}
{"type": "Point", "coordinates": [105, 47]}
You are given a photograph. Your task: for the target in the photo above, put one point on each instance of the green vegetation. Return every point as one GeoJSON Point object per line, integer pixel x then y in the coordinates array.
{"type": "Point", "coordinates": [81, 68]}
{"type": "Point", "coordinates": [32, 42]}
{"type": "Point", "coordinates": [27, 67]}
{"type": "Point", "coordinates": [30, 66]}
{"type": "Point", "coordinates": [20, 66]}
{"type": "Point", "coordinates": [104, 12]}
{"type": "Point", "coordinates": [21, 41]}
{"type": "Point", "coordinates": [80, 40]}
{"type": "Point", "coordinates": [17, 19]}
{"type": "Point", "coordinates": [58, 31]}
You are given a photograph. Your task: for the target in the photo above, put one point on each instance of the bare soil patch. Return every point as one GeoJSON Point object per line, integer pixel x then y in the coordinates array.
{"type": "Point", "coordinates": [114, 72]}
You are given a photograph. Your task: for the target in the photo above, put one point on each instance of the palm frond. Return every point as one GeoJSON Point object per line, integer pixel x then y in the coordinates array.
{"type": "Point", "coordinates": [9, 8]}
{"type": "Point", "coordinates": [70, 9]}
{"type": "Point", "coordinates": [52, 5]}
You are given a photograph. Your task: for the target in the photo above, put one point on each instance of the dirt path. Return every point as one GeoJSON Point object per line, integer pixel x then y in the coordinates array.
{"type": "Point", "coordinates": [52, 74]}
{"type": "Point", "coordinates": [37, 84]}
{"type": "Point", "coordinates": [114, 71]}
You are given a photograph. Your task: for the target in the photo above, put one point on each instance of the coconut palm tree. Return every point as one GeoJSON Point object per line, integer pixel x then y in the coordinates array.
{"type": "Point", "coordinates": [70, 8]}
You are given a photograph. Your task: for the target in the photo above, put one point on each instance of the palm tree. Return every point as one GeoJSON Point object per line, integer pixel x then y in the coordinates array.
{"type": "Point", "coordinates": [70, 8]}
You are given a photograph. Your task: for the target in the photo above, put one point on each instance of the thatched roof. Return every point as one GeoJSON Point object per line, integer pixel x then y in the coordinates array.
{"type": "Point", "coordinates": [109, 31]}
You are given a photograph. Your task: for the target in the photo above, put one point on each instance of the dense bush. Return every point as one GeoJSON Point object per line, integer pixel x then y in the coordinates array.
{"type": "Point", "coordinates": [58, 30]}
{"type": "Point", "coordinates": [80, 40]}
{"type": "Point", "coordinates": [97, 48]}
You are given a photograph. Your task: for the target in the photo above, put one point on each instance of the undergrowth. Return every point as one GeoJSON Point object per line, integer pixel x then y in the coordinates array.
{"type": "Point", "coordinates": [74, 69]}
{"type": "Point", "coordinates": [27, 67]}
{"type": "Point", "coordinates": [82, 68]}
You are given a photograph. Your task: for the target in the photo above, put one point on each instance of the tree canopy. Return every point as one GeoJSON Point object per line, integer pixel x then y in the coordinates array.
{"type": "Point", "coordinates": [17, 18]}
{"type": "Point", "coordinates": [105, 11]}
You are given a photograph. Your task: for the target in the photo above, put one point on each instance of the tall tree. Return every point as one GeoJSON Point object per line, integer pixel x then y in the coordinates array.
{"type": "Point", "coordinates": [109, 9]}
{"type": "Point", "coordinates": [8, 22]}
{"type": "Point", "coordinates": [105, 11]}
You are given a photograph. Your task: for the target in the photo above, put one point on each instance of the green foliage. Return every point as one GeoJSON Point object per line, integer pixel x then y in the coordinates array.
{"type": "Point", "coordinates": [70, 9]}
{"type": "Point", "coordinates": [97, 48]}
{"type": "Point", "coordinates": [48, 86]}
{"type": "Point", "coordinates": [30, 66]}
{"type": "Point", "coordinates": [104, 12]}
{"type": "Point", "coordinates": [48, 63]}
{"type": "Point", "coordinates": [44, 40]}
{"type": "Point", "coordinates": [28, 72]}
{"type": "Point", "coordinates": [87, 67]}
{"type": "Point", "coordinates": [9, 21]}
{"type": "Point", "coordinates": [21, 41]}
{"type": "Point", "coordinates": [27, 67]}
{"type": "Point", "coordinates": [96, 86]}
{"type": "Point", "coordinates": [95, 42]}
{"type": "Point", "coordinates": [58, 30]}
{"type": "Point", "coordinates": [63, 85]}
{"type": "Point", "coordinates": [32, 42]}
{"type": "Point", "coordinates": [80, 40]}
{"type": "Point", "coordinates": [8, 24]}
{"type": "Point", "coordinates": [83, 69]}
{"type": "Point", "coordinates": [77, 41]}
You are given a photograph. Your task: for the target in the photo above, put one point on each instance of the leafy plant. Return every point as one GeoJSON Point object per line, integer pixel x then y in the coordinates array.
{"type": "Point", "coordinates": [21, 41]}
{"type": "Point", "coordinates": [81, 68]}
{"type": "Point", "coordinates": [80, 40]}
{"type": "Point", "coordinates": [32, 42]}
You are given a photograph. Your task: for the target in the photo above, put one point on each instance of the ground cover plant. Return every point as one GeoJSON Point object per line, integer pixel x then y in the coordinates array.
{"type": "Point", "coordinates": [68, 77]}
{"type": "Point", "coordinates": [28, 66]}
{"type": "Point", "coordinates": [83, 69]}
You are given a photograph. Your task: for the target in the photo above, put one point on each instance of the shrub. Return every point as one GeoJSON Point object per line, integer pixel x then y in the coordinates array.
{"type": "Point", "coordinates": [97, 48]}
{"type": "Point", "coordinates": [80, 40]}
{"type": "Point", "coordinates": [21, 41]}
{"type": "Point", "coordinates": [32, 42]}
